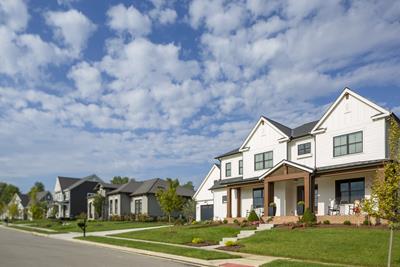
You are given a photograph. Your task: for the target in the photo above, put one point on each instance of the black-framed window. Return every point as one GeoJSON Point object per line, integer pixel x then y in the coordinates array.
{"type": "Point", "coordinates": [350, 190]}
{"type": "Point", "coordinates": [224, 199]}
{"type": "Point", "coordinates": [240, 167]}
{"type": "Point", "coordinates": [258, 198]}
{"type": "Point", "coordinates": [138, 206]}
{"type": "Point", "coordinates": [228, 169]}
{"type": "Point", "coordinates": [116, 206]}
{"type": "Point", "coordinates": [348, 144]}
{"type": "Point", "coordinates": [303, 149]}
{"type": "Point", "coordinates": [111, 206]}
{"type": "Point", "coordinates": [263, 160]}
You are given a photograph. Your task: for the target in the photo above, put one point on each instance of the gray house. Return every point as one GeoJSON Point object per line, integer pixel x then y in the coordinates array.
{"type": "Point", "coordinates": [70, 194]}
{"type": "Point", "coordinates": [119, 200]}
{"type": "Point", "coordinates": [144, 201]}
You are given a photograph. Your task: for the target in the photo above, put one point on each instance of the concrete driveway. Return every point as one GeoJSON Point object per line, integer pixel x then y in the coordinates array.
{"type": "Point", "coordinates": [20, 249]}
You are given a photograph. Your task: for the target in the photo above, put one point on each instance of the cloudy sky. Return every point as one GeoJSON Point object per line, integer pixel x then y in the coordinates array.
{"type": "Point", "coordinates": [158, 88]}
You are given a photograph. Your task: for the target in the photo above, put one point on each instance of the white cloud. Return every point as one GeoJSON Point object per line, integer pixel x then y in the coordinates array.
{"type": "Point", "coordinates": [14, 14]}
{"type": "Point", "coordinates": [72, 27]}
{"type": "Point", "coordinates": [165, 16]}
{"type": "Point", "coordinates": [87, 79]}
{"type": "Point", "coordinates": [128, 19]}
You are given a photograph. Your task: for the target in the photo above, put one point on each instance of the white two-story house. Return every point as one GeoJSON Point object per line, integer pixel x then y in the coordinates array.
{"type": "Point", "coordinates": [327, 165]}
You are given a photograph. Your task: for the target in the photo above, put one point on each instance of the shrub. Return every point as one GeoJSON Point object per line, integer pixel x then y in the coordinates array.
{"type": "Point", "coordinates": [231, 243]}
{"type": "Point", "coordinates": [236, 221]}
{"type": "Point", "coordinates": [308, 218]}
{"type": "Point", "coordinates": [179, 221]}
{"type": "Point", "coordinates": [301, 203]}
{"type": "Point", "coordinates": [194, 223]}
{"type": "Point", "coordinates": [225, 221]}
{"type": "Point", "coordinates": [347, 222]}
{"type": "Point", "coordinates": [367, 222]}
{"type": "Point", "coordinates": [197, 240]}
{"type": "Point", "coordinates": [243, 224]}
{"type": "Point", "coordinates": [253, 216]}
{"type": "Point", "coordinates": [326, 222]}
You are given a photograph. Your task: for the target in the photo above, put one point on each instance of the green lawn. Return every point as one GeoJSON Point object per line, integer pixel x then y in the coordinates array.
{"type": "Point", "coordinates": [289, 263]}
{"type": "Point", "coordinates": [358, 246]}
{"type": "Point", "coordinates": [169, 249]}
{"type": "Point", "coordinates": [185, 234]}
{"type": "Point", "coordinates": [93, 226]}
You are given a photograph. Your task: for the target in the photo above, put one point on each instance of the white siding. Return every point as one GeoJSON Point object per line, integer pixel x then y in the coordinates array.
{"type": "Point", "coordinates": [264, 139]}
{"type": "Point", "coordinates": [219, 207]}
{"type": "Point", "coordinates": [234, 160]}
{"type": "Point", "coordinates": [308, 159]}
{"type": "Point", "coordinates": [247, 201]}
{"type": "Point", "coordinates": [350, 116]}
{"type": "Point", "coordinates": [203, 193]}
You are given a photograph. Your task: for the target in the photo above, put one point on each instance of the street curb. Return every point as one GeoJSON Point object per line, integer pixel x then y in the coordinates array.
{"type": "Point", "coordinates": [25, 231]}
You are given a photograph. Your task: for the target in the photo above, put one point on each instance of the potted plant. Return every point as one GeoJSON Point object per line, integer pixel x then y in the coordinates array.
{"type": "Point", "coordinates": [272, 209]}
{"type": "Point", "coordinates": [300, 208]}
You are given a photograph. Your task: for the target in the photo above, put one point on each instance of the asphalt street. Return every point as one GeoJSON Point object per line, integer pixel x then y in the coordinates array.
{"type": "Point", "coordinates": [19, 249]}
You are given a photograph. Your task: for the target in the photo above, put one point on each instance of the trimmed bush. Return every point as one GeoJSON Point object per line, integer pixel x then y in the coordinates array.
{"type": "Point", "coordinates": [253, 216]}
{"type": "Point", "coordinates": [236, 221]}
{"type": "Point", "coordinates": [308, 218]}
{"type": "Point", "coordinates": [197, 240]}
{"type": "Point", "coordinates": [326, 222]}
{"type": "Point", "coordinates": [225, 221]}
{"type": "Point", "coordinates": [231, 243]}
{"type": "Point", "coordinates": [347, 222]}
{"type": "Point", "coordinates": [367, 222]}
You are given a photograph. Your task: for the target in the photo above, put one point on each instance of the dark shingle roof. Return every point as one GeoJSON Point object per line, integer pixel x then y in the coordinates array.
{"type": "Point", "coordinates": [91, 178]}
{"type": "Point", "coordinates": [303, 130]}
{"type": "Point", "coordinates": [107, 185]}
{"type": "Point", "coordinates": [129, 187]}
{"type": "Point", "coordinates": [351, 165]}
{"type": "Point", "coordinates": [237, 180]}
{"type": "Point", "coordinates": [24, 199]}
{"type": "Point", "coordinates": [67, 181]}
{"type": "Point", "coordinates": [286, 130]}
{"type": "Point", "coordinates": [41, 196]}
{"type": "Point", "coordinates": [232, 152]}
{"type": "Point", "coordinates": [153, 185]}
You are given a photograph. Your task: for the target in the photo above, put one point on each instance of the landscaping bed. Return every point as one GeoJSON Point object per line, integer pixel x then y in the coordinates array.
{"type": "Point", "coordinates": [346, 245]}
{"type": "Point", "coordinates": [169, 249]}
{"type": "Point", "coordinates": [210, 234]}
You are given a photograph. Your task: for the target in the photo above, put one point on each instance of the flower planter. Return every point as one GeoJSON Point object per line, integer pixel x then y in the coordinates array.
{"type": "Point", "coordinates": [271, 211]}
{"type": "Point", "coordinates": [300, 210]}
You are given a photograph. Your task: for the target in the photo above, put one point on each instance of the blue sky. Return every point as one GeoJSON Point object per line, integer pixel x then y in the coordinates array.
{"type": "Point", "coordinates": [158, 88]}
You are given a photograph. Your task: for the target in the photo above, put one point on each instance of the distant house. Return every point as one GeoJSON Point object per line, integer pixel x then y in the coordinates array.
{"type": "Point", "coordinates": [119, 199]}
{"type": "Point", "coordinates": [102, 189]}
{"type": "Point", "coordinates": [70, 194]}
{"type": "Point", "coordinates": [45, 198]}
{"type": "Point", "coordinates": [21, 200]}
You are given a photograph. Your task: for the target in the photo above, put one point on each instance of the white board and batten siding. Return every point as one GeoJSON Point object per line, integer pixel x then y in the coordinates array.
{"type": "Point", "coordinates": [307, 159]}
{"type": "Point", "coordinates": [234, 160]}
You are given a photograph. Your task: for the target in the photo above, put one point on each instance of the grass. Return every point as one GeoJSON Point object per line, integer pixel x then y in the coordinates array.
{"type": "Point", "coordinates": [289, 263]}
{"type": "Point", "coordinates": [169, 249]}
{"type": "Point", "coordinates": [21, 227]}
{"type": "Point", "coordinates": [358, 246]}
{"type": "Point", "coordinates": [93, 226]}
{"type": "Point", "coordinates": [185, 234]}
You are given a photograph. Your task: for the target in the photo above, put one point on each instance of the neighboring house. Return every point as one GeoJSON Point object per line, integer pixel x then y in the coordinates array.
{"type": "Point", "coordinates": [144, 200]}
{"type": "Point", "coordinates": [328, 164]}
{"type": "Point", "coordinates": [102, 189]}
{"type": "Point", "coordinates": [44, 198]}
{"type": "Point", "coordinates": [119, 200]}
{"type": "Point", "coordinates": [21, 200]}
{"type": "Point", "coordinates": [70, 194]}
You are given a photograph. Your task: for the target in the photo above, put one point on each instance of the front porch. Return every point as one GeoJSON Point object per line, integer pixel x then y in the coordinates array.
{"type": "Point", "coordinates": [330, 195]}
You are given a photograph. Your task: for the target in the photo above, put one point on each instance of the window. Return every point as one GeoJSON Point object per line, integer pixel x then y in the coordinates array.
{"type": "Point", "coordinates": [263, 161]}
{"type": "Point", "coordinates": [348, 191]}
{"type": "Point", "coordinates": [228, 169]}
{"type": "Point", "coordinates": [224, 199]}
{"type": "Point", "coordinates": [111, 206]}
{"type": "Point", "coordinates": [138, 206]}
{"type": "Point", "coordinates": [240, 167]}
{"type": "Point", "coordinates": [116, 206]}
{"type": "Point", "coordinates": [303, 149]}
{"type": "Point", "coordinates": [258, 198]}
{"type": "Point", "coordinates": [348, 144]}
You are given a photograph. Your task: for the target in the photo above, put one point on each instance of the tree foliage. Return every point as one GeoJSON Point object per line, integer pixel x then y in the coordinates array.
{"type": "Point", "coordinates": [13, 211]}
{"type": "Point", "coordinates": [98, 203]}
{"type": "Point", "coordinates": [119, 180]}
{"type": "Point", "coordinates": [38, 187]}
{"type": "Point", "coordinates": [36, 208]}
{"type": "Point", "coordinates": [189, 185]}
{"type": "Point", "coordinates": [169, 199]}
{"type": "Point", "coordinates": [7, 191]}
{"type": "Point", "coordinates": [189, 210]}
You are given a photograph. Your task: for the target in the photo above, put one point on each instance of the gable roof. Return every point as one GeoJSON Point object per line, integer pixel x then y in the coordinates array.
{"type": "Point", "coordinates": [230, 153]}
{"type": "Point", "coordinates": [65, 182]}
{"type": "Point", "coordinates": [107, 185]}
{"type": "Point", "coordinates": [348, 91]}
{"type": "Point", "coordinates": [91, 178]}
{"type": "Point", "coordinates": [129, 187]}
{"type": "Point", "coordinates": [41, 196]}
{"type": "Point", "coordinates": [205, 179]}
{"type": "Point", "coordinates": [153, 185]}
{"type": "Point", "coordinates": [24, 199]}
{"type": "Point", "coordinates": [287, 162]}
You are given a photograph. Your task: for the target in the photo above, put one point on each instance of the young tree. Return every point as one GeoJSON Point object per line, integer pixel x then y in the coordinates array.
{"type": "Point", "coordinates": [98, 203]}
{"type": "Point", "coordinates": [13, 211]}
{"type": "Point", "coordinates": [385, 196]}
{"type": "Point", "coordinates": [7, 193]}
{"type": "Point", "coordinates": [119, 180]}
{"type": "Point", "coordinates": [189, 210]}
{"type": "Point", "coordinates": [189, 185]}
{"type": "Point", "coordinates": [38, 186]}
{"type": "Point", "coordinates": [169, 199]}
{"type": "Point", "coordinates": [36, 208]}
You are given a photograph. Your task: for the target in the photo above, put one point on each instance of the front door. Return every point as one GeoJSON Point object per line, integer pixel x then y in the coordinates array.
{"type": "Point", "coordinates": [300, 193]}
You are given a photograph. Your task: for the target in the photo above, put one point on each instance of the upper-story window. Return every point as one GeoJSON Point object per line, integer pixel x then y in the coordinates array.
{"type": "Point", "coordinates": [348, 144]}
{"type": "Point", "coordinates": [240, 167]}
{"type": "Point", "coordinates": [263, 160]}
{"type": "Point", "coordinates": [303, 149]}
{"type": "Point", "coordinates": [228, 169]}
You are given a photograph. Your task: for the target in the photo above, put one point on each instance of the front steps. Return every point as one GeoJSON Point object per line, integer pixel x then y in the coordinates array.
{"type": "Point", "coordinates": [246, 233]}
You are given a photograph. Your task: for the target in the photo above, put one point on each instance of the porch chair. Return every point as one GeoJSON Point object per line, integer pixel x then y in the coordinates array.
{"type": "Point", "coordinates": [334, 208]}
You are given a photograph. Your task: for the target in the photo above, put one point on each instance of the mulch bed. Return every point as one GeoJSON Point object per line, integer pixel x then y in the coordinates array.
{"type": "Point", "coordinates": [231, 248]}
{"type": "Point", "coordinates": [293, 226]}
{"type": "Point", "coordinates": [204, 244]}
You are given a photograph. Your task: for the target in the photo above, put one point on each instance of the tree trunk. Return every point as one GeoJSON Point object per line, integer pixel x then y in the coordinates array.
{"type": "Point", "coordinates": [169, 218]}
{"type": "Point", "coordinates": [390, 246]}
